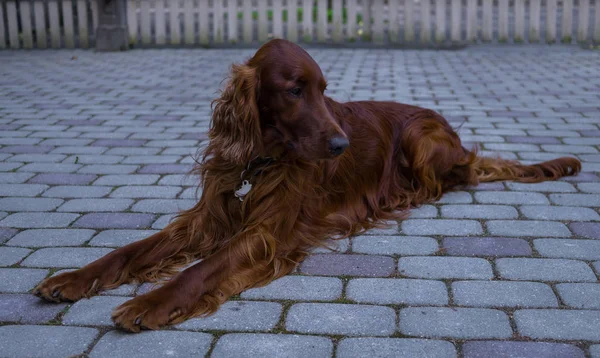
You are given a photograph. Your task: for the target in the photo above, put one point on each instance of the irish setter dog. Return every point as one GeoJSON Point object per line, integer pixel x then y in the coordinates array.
{"type": "Point", "coordinates": [287, 168]}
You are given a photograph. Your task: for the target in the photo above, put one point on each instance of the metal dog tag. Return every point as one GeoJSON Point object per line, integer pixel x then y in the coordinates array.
{"type": "Point", "coordinates": [241, 192]}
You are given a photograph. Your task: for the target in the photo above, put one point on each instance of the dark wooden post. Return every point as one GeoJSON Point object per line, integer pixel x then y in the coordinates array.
{"type": "Point", "coordinates": [111, 34]}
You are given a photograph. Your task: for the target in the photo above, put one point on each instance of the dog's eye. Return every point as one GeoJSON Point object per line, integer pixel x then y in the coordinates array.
{"type": "Point", "coordinates": [296, 91]}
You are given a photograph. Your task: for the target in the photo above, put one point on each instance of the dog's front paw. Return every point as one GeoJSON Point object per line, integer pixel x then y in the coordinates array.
{"type": "Point", "coordinates": [149, 311]}
{"type": "Point", "coordinates": [68, 286]}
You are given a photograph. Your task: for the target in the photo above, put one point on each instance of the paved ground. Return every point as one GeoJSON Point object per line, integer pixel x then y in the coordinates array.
{"type": "Point", "coordinates": [94, 148]}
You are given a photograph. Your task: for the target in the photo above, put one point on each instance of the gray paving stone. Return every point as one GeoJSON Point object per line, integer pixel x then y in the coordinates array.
{"type": "Point", "coordinates": [425, 211]}
{"type": "Point", "coordinates": [337, 246]}
{"type": "Point", "coordinates": [595, 350]}
{"type": "Point", "coordinates": [123, 290]}
{"type": "Point", "coordinates": [298, 288]}
{"type": "Point", "coordinates": [397, 291]}
{"type": "Point", "coordinates": [146, 191]}
{"type": "Point", "coordinates": [394, 245]}
{"type": "Point", "coordinates": [6, 233]}
{"type": "Point", "coordinates": [394, 347]}
{"type": "Point", "coordinates": [575, 199]}
{"type": "Point", "coordinates": [96, 205]}
{"type": "Point", "coordinates": [29, 204]}
{"type": "Point", "coordinates": [38, 220]}
{"type": "Point", "coordinates": [544, 270]}
{"type": "Point", "coordinates": [559, 324]}
{"type": "Point", "coordinates": [341, 319]}
{"type": "Point", "coordinates": [479, 212]}
{"type": "Point", "coordinates": [252, 345]}
{"type": "Point", "coordinates": [486, 246]}
{"type": "Point", "coordinates": [503, 294]}
{"type": "Point", "coordinates": [527, 228]}
{"type": "Point", "coordinates": [114, 221]}
{"type": "Point", "coordinates": [155, 344]}
{"type": "Point", "coordinates": [74, 191]}
{"type": "Point", "coordinates": [64, 257]}
{"type": "Point", "coordinates": [508, 349]}
{"type": "Point", "coordinates": [391, 228]}
{"type": "Point", "coordinates": [568, 248]}
{"type": "Point", "coordinates": [20, 308]}
{"type": "Point", "coordinates": [132, 179]}
{"type": "Point", "coordinates": [438, 267]}
{"type": "Point", "coordinates": [164, 206]}
{"type": "Point", "coordinates": [118, 238]}
{"type": "Point", "coordinates": [50, 168]}
{"type": "Point", "coordinates": [441, 227]}
{"type": "Point", "coordinates": [94, 311]}
{"type": "Point", "coordinates": [40, 341]}
{"type": "Point", "coordinates": [108, 169]}
{"type": "Point", "coordinates": [179, 180]}
{"type": "Point", "coordinates": [587, 230]}
{"type": "Point", "coordinates": [459, 323]}
{"type": "Point", "coordinates": [238, 316]}
{"type": "Point", "coordinates": [549, 186]}
{"type": "Point", "coordinates": [20, 280]}
{"type": "Point", "coordinates": [580, 295]}
{"type": "Point", "coordinates": [62, 179]}
{"type": "Point", "coordinates": [456, 197]}
{"type": "Point", "coordinates": [589, 187]}
{"type": "Point", "coordinates": [542, 212]}
{"type": "Point", "coordinates": [165, 169]}
{"type": "Point", "coordinates": [510, 198]}
{"type": "Point", "coordinates": [348, 265]}
{"type": "Point", "coordinates": [51, 237]}
{"type": "Point", "coordinates": [22, 189]}
{"type": "Point", "coordinates": [163, 221]}
{"type": "Point", "coordinates": [11, 255]}
{"type": "Point", "coordinates": [14, 178]}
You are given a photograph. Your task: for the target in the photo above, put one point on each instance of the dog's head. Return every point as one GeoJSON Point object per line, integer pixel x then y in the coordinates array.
{"type": "Point", "coordinates": [274, 105]}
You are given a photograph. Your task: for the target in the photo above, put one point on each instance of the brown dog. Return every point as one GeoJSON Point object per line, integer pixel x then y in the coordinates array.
{"type": "Point", "coordinates": [287, 168]}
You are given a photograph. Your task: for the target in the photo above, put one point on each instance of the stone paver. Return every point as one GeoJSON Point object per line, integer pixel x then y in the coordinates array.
{"type": "Point", "coordinates": [341, 319]}
{"type": "Point", "coordinates": [155, 344]}
{"type": "Point", "coordinates": [460, 323]}
{"type": "Point", "coordinates": [41, 341]}
{"type": "Point", "coordinates": [250, 345]}
{"type": "Point", "coordinates": [485, 349]}
{"type": "Point", "coordinates": [19, 308]}
{"type": "Point", "coordinates": [91, 163]}
{"type": "Point", "coordinates": [559, 324]}
{"type": "Point", "coordinates": [395, 347]}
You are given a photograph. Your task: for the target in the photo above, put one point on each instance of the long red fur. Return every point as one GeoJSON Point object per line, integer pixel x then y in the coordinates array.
{"type": "Point", "coordinates": [400, 157]}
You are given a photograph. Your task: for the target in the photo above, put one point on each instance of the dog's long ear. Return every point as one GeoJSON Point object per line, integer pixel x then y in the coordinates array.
{"type": "Point", "coordinates": [235, 132]}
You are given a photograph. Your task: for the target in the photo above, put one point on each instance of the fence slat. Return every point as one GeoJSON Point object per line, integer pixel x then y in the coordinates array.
{"type": "Point", "coordinates": [471, 20]}
{"type": "Point", "coordinates": [247, 22]}
{"type": "Point", "coordinates": [159, 22]}
{"type": "Point", "coordinates": [321, 20]}
{"type": "Point", "coordinates": [218, 21]}
{"type": "Point", "coordinates": [188, 21]}
{"type": "Point", "coordinates": [378, 21]}
{"type": "Point", "coordinates": [502, 20]}
{"type": "Point", "coordinates": [597, 21]}
{"type": "Point", "coordinates": [232, 21]}
{"type": "Point", "coordinates": [145, 21]}
{"type": "Point", "coordinates": [534, 20]}
{"type": "Point", "coordinates": [393, 22]}
{"type": "Point", "coordinates": [550, 21]}
{"type": "Point", "coordinates": [13, 26]}
{"type": "Point", "coordinates": [202, 19]}
{"type": "Point", "coordinates": [277, 19]}
{"type": "Point", "coordinates": [2, 36]}
{"type": "Point", "coordinates": [351, 30]}
{"type": "Point", "coordinates": [174, 23]}
{"type": "Point", "coordinates": [455, 20]}
{"type": "Point", "coordinates": [583, 20]}
{"type": "Point", "coordinates": [82, 23]}
{"type": "Point", "coordinates": [337, 21]}
{"type": "Point", "coordinates": [262, 21]}
{"type": "Point", "coordinates": [25, 12]}
{"type": "Point", "coordinates": [94, 10]}
{"type": "Point", "coordinates": [54, 24]}
{"type": "Point", "coordinates": [69, 28]}
{"type": "Point", "coordinates": [567, 21]}
{"type": "Point", "coordinates": [40, 25]}
{"type": "Point", "coordinates": [519, 21]}
{"type": "Point", "coordinates": [425, 21]}
{"type": "Point", "coordinates": [132, 21]}
{"type": "Point", "coordinates": [487, 21]}
{"type": "Point", "coordinates": [292, 20]}
{"type": "Point", "coordinates": [409, 20]}
{"type": "Point", "coordinates": [440, 20]}
{"type": "Point", "coordinates": [367, 18]}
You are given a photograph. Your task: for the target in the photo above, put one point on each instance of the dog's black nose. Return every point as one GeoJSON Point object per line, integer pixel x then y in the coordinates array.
{"type": "Point", "coordinates": [337, 145]}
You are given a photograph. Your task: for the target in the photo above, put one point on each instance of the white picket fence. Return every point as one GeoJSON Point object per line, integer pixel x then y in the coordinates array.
{"type": "Point", "coordinates": [71, 23]}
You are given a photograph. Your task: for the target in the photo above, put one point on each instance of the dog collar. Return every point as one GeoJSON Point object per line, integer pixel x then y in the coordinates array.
{"type": "Point", "coordinates": [254, 168]}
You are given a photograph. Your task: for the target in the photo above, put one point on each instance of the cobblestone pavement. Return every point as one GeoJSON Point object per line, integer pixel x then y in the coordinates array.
{"type": "Point", "coordinates": [93, 154]}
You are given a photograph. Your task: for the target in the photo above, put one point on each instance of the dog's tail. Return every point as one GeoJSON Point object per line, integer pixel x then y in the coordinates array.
{"type": "Point", "coordinates": [495, 169]}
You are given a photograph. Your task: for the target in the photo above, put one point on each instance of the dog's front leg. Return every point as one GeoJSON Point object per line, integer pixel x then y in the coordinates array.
{"type": "Point", "coordinates": [248, 259]}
